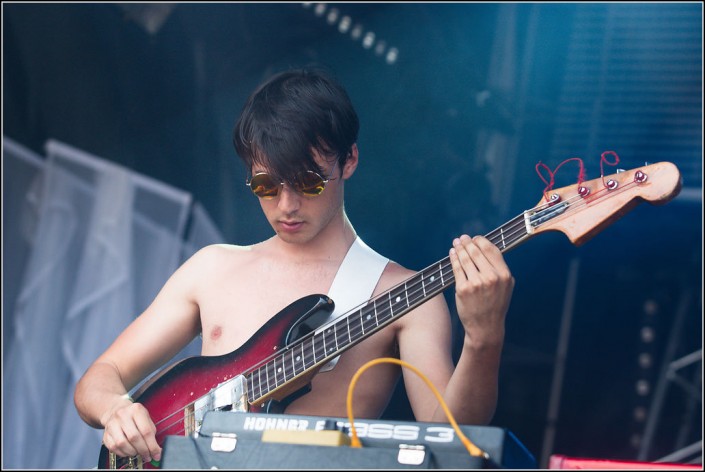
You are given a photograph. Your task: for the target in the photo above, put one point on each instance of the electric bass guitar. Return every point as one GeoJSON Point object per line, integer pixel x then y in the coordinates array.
{"type": "Point", "coordinates": [282, 357]}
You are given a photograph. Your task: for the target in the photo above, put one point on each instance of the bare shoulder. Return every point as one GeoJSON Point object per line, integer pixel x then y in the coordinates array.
{"type": "Point", "coordinates": [393, 274]}
{"type": "Point", "coordinates": [222, 250]}
{"type": "Point", "coordinates": [214, 256]}
{"type": "Point", "coordinates": [210, 263]}
{"type": "Point", "coordinates": [433, 311]}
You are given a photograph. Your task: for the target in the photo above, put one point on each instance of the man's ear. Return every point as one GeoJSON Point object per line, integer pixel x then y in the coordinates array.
{"type": "Point", "coordinates": [351, 163]}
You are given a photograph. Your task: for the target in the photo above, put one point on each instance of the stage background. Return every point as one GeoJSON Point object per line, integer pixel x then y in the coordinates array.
{"type": "Point", "coordinates": [458, 103]}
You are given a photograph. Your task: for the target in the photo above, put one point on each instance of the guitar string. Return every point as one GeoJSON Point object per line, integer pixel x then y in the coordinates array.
{"type": "Point", "coordinates": [570, 205]}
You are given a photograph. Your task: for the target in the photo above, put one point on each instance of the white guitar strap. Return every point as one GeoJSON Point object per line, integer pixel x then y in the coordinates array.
{"type": "Point", "coordinates": [354, 282]}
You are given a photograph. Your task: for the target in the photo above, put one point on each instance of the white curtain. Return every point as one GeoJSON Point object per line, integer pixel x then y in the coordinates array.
{"type": "Point", "coordinates": [92, 244]}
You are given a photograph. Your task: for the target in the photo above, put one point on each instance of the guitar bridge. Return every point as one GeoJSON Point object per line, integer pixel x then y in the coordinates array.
{"type": "Point", "coordinates": [117, 462]}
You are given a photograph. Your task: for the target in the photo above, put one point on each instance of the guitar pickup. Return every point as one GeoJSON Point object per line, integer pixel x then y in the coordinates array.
{"type": "Point", "coordinates": [230, 395]}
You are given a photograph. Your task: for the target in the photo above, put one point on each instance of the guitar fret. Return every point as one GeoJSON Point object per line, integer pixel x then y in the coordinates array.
{"type": "Point", "coordinates": [340, 340]}
{"type": "Point", "coordinates": [271, 367]}
{"type": "Point", "coordinates": [356, 322]}
{"type": "Point", "coordinates": [256, 383]}
{"type": "Point", "coordinates": [434, 281]}
{"type": "Point", "coordinates": [275, 380]}
{"type": "Point", "coordinates": [303, 358]}
{"type": "Point", "coordinates": [325, 344]}
{"type": "Point", "coordinates": [274, 369]}
{"type": "Point", "coordinates": [307, 347]}
{"type": "Point", "coordinates": [266, 376]}
{"type": "Point", "coordinates": [399, 299]}
{"type": "Point", "coordinates": [382, 314]}
{"type": "Point", "coordinates": [259, 380]}
{"type": "Point", "coordinates": [329, 345]}
{"type": "Point", "coordinates": [249, 381]}
{"type": "Point", "coordinates": [335, 337]}
{"type": "Point", "coordinates": [368, 322]}
{"type": "Point", "coordinates": [295, 360]}
{"type": "Point", "coordinates": [387, 314]}
{"type": "Point", "coordinates": [313, 348]}
{"type": "Point", "coordinates": [321, 349]}
{"type": "Point", "coordinates": [416, 295]}
{"type": "Point", "coordinates": [282, 368]}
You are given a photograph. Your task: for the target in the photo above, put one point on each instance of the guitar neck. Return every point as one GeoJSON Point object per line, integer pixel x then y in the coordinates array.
{"type": "Point", "coordinates": [335, 337]}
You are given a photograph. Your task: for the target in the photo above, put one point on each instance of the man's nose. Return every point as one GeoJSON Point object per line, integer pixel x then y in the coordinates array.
{"type": "Point", "coordinates": [289, 199]}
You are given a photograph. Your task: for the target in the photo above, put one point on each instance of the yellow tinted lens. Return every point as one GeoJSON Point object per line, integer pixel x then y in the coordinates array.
{"type": "Point", "coordinates": [264, 186]}
{"type": "Point", "coordinates": [310, 184]}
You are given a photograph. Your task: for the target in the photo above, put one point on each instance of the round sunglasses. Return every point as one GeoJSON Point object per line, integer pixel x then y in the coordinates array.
{"type": "Point", "coordinates": [309, 183]}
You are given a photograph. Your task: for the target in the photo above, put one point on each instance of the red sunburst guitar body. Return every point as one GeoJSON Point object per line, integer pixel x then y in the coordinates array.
{"type": "Point", "coordinates": [169, 395]}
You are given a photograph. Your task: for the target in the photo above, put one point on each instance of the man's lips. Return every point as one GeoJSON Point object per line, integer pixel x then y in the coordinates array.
{"type": "Point", "coordinates": [290, 225]}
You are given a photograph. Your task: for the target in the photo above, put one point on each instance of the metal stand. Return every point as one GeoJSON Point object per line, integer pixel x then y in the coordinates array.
{"type": "Point", "coordinates": [561, 354]}
{"type": "Point", "coordinates": [669, 374]}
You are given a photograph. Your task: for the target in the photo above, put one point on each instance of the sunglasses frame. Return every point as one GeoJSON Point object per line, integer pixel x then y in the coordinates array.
{"type": "Point", "coordinates": [324, 182]}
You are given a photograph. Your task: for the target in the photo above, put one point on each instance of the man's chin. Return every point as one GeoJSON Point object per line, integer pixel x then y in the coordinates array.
{"type": "Point", "coordinates": [299, 237]}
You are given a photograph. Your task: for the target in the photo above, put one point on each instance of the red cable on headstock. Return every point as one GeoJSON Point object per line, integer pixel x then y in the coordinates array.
{"type": "Point", "coordinates": [552, 173]}
{"type": "Point", "coordinates": [610, 184]}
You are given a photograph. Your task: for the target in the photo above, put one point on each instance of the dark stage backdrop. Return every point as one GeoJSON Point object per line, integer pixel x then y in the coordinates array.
{"type": "Point", "coordinates": [458, 103]}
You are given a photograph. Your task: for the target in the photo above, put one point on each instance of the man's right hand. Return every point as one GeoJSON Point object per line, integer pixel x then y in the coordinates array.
{"type": "Point", "coordinates": [129, 431]}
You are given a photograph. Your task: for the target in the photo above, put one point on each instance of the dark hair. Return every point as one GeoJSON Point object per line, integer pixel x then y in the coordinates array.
{"type": "Point", "coordinates": [289, 115]}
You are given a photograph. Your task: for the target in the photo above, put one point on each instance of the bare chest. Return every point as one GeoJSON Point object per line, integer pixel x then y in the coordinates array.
{"type": "Point", "coordinates": [235, 307]}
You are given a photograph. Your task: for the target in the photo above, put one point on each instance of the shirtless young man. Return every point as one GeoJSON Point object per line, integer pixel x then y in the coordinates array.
{"type": "Point", "coordinates": [296, 122]}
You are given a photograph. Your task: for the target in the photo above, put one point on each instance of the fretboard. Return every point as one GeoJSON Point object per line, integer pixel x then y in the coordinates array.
{"type": "Point", "coordinates": [352, 327]}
